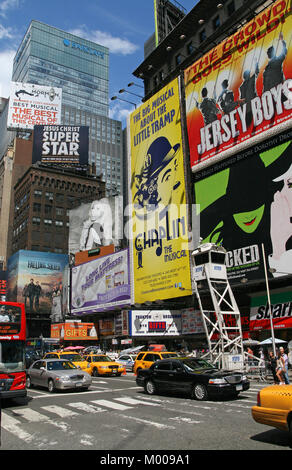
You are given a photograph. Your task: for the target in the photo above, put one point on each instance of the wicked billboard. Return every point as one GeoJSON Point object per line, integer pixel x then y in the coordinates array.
{"type": "Point", "coordinates": [239, 93]}
{"type": "Point", "coordinates": [247, 202]}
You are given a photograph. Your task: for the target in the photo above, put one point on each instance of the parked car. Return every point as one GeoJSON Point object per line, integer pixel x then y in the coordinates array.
{"type": "Point", "coordinates": [193, 376]}
{"type": "Point", "coordinates": [74, 357]}
{"type": "Point", "coordinates": [100, 364]}
{"type": "Point", "coordinates": [128, 361]}
{"type": "Point", "coordinates": [57, 374]}
{"type": "Point", "coordinates": [274, 407]}
{"type": "Point", "coordinates": [146, 358]}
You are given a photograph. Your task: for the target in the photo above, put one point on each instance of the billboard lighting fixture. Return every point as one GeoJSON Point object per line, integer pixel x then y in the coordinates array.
{"type": "Point", "coordinates": [201, 21]}
{"type": "Point", "coordinates": [135, 84]}
{"type": "Point", "coordinates": [93, 252]}
{"type": "Point", "coordinates": [220, 5]}
{"type": "Point", "coordinates": [182, 37]}
{"type": "Point", "coordinates": [116, 98]}
{"type": "Point", "coordinates": [125, 91]}
{"type": "Point", "coordinates": [169, 48]}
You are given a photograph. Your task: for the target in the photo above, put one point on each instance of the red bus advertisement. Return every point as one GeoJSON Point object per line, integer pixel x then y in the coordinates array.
{"type": "Point", "coordinates": [12, 350]}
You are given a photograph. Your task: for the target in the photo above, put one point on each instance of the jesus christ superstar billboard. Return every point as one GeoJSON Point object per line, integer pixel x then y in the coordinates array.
{"type": "Point", "coordinates": [240, 92]}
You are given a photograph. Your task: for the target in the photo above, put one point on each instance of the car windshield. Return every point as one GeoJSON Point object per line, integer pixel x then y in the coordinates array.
{"type": "Point", "coordinates": [72, 357]}
{"type": "Point", "coordinates": [12, 356]}
{"type": "Point", "coordinates": [166, 355]}
{"type": "Point", "coordinates": [196, 364]}
{"type": "Point", "coordinates": [101, 359]}
{"type": "Point", "coordinates": [60, 365]}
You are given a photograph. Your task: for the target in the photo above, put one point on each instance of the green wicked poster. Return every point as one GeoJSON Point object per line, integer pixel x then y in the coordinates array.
{"type": "Point", "coordinates": [246, 201]}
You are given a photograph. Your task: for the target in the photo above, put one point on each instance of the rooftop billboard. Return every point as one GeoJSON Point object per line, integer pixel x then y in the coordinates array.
{"type": "Point", "coordinates": [239, 93]}
{"type": "Point", "coordinates": [31, 105]}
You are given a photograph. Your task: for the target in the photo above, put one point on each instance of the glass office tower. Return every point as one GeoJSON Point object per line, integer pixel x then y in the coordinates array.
{"type": "Point", "coordinates": [49, 56]}
{"type": "Point", "coordinates": [52, 57]}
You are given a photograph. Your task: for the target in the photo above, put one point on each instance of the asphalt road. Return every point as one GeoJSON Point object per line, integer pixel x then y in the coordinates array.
{"type": "Point", "coordinates": [116, 415]}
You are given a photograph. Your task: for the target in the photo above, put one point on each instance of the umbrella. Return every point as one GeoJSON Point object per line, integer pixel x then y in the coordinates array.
{"type": "Point", "coordinates": [132, 350]}
{"type": "Point", "coordinates": [270, 341]}
{"type": "Point", "coordinates": [71, 348]}
{"type": "Point", "coordinates": [250, 342]}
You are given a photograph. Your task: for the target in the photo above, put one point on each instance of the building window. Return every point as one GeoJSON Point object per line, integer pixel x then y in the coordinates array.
{"type": "Point", "coordinates": [36, 207]}
{"type": "Point", "coordinates": [36, 221]}
{"type": "Point", "coordinates": [202, 35]}
{"type": "Point", "coordinates": [190, 48]}
{"type": "Point", "coordinates": [178, 59]}
{"type": "Point", "coordinates": [216, 22]}
{"type": "Point", "coordinates": [230, 8]}
{"type": "Point", "coordinates": [59, 223]}
{"type": "Point", "coordinates": [59, 211]}
{"type": "Point", "coordinates": [48, 221]}
{"type": "Point", "coordinates": [37, 193]}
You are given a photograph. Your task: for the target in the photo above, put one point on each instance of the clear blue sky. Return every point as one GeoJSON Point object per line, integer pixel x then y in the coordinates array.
{"type": "Point", "coordinates": [121, 25]}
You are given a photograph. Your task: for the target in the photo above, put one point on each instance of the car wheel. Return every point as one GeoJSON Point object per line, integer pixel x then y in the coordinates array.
{"type": "Point", "coordinates": [150, 387]}
{"type": "Point", "coordinates": [28, 382]}
{"type": "Point", "coordinates": [199, 392]}
{"type": "Point", "coordinates": [95, 372]}
{"type": "Point", "coordinates": [51, 386]}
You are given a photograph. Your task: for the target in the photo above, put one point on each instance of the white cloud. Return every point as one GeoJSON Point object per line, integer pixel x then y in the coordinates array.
{"type": "Point", "coordinates": [6, 64]}
{"type": "Point", "coordinates": [116, 45]}
{"type": "Point", "coordinates": [6, 5]}
{"type": "Point", "coordinates": [119, 113]}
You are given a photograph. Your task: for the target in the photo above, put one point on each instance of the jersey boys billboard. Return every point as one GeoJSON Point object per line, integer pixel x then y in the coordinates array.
{"type": "Point", "coordinates": [239, 93]}
{"type": "Point", "coordinates": [31, 105]}
{"type": "Point", "coordinates": [160, 259]}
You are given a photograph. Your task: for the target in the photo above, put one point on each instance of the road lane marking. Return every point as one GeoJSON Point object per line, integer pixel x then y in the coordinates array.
{"type": "Point", "coordinates": [147, 422]}
{"type": "Point", "coordinates": [86, 407]}
{"type": "Point", "coordinates": [110, 404]}
{"type": "Point", "coordinates": [60, 411]}
{"type": "Point", "coordinates": [179, 419]}
{"type": "Point", "coordinates": [134, 401]}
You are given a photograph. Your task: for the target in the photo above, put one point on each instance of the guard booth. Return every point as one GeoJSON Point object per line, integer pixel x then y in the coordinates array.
{"type": "Point", "coordinates": [222, 323]}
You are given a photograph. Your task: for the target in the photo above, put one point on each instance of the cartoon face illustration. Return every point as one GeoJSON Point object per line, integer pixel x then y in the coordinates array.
{"type": "Point", "coordinates": [249, 221]}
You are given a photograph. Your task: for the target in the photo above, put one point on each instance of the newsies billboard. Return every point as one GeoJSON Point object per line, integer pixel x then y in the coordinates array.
{"type": "Point", "coordinates": [101, 284]}
{"type": "Point", "coordinates": [246, 201]}
{"type": "Point", "coordinates": [65, 145]}
{"type": "Point", "coordinates": [239, 93]}
{"type": "Point", "coordinates": [31, 104]}
{"type": "Point", "coordinates": [158, 214]}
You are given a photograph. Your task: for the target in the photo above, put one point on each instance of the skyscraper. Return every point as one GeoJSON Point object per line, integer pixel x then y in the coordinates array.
{"type": "Point", "coordinates": [52, 57]}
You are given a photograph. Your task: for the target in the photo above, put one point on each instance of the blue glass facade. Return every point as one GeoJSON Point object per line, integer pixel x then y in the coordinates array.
{"type": "Point", "coordinates": [49, 56]}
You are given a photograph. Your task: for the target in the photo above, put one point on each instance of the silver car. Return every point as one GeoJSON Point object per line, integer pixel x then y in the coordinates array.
{"type": "Point", "coordinates": [57, 374]}
{"type": "Point", "coordinates": [127, 360]}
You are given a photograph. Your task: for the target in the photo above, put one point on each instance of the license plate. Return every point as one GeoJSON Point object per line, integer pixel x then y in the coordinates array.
{"type": "Point", "coordinates": [78, 384]}
{"type": "Point", "coordinates": [239, 387]}
{"type": "Point", "coordinates": [115, 371]}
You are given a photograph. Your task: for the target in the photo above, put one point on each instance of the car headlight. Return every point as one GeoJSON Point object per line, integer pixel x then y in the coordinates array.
{"type": "Point", "coordinates": [64, 379]}
{"type": "Point", "coordinates": [244, 377]}
{"type": "Point", "coordinates": [217, 381]}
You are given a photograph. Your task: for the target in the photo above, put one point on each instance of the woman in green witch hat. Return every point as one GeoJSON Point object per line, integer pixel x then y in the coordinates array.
{"type": "Point", "coordinates": [242, 216]}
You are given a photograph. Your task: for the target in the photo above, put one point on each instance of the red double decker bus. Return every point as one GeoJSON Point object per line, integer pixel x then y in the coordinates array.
{"type": "Point", "coordinates": [12, 350]}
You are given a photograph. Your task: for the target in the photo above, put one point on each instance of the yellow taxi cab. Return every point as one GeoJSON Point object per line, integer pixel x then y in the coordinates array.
{"type": "Point", "coordinates": [146, 358]}
{"type": "Point", "coordinates": [74, 357]}
{"type": "Point", "coordinates": [274, 407]}
{"type": "Point", "coordinates": [100, 364]}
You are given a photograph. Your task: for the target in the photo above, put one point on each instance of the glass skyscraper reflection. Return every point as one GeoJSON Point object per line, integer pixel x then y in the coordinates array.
{"type": "Point", "coordinates": [52, 57]}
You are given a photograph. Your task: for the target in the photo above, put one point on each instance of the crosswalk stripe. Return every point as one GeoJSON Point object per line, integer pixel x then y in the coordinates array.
{"type": "Point", "coordinates": [146, 421]}
{"type": "Point", "coordinates": [86, 407]}
{"type": "Point", "coordinates": [31, 415]}
{"type": "Point", "coordinates": [110, 404]}
{"type": "Point", "coordinates": [134, 401]}
{"type": "Point", "coordinates": [58, 410]}
{"type": "Point", "coordinates": [11, 425]}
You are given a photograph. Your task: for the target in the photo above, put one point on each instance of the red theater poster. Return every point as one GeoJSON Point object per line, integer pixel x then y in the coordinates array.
{"type": "Point", "coordinates": [240, 92]}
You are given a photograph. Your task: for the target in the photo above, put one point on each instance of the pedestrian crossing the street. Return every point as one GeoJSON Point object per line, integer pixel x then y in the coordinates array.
{"type": "Point", "coordinates": [128, 408]}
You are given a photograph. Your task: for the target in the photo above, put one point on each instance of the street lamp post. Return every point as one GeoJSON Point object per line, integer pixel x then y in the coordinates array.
{"type": "Point", "coordinates": [269, 300]}
{"type": "Point", "coordinates": [117, 98]}
{"type": "Point", "coordinates": [122, 90]}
